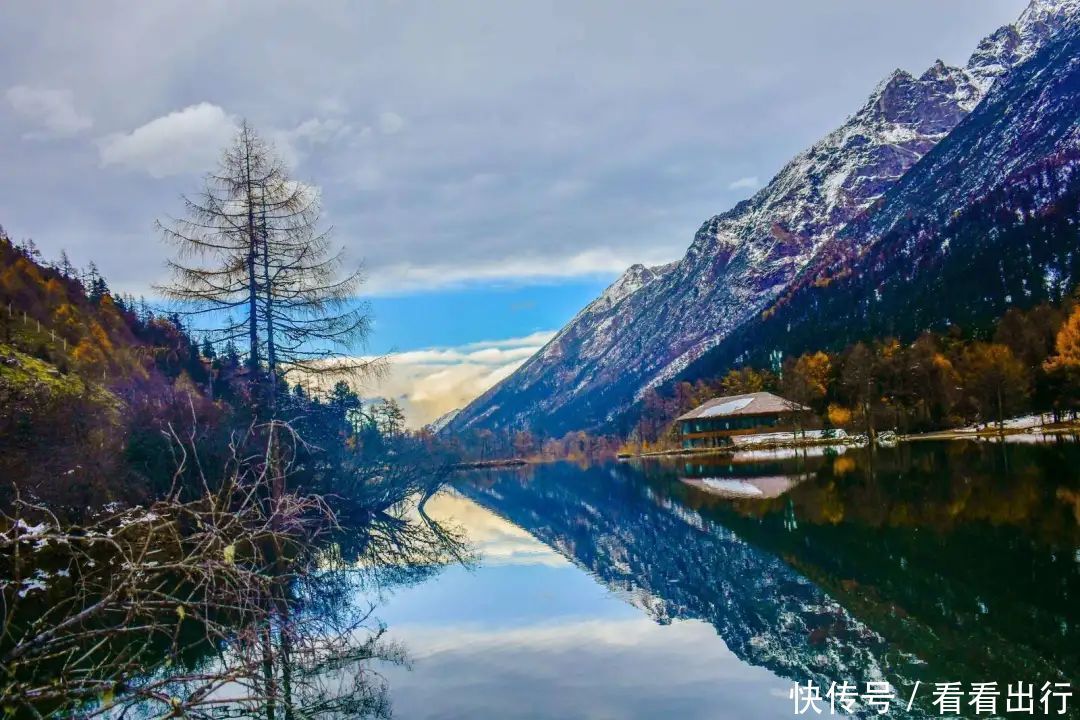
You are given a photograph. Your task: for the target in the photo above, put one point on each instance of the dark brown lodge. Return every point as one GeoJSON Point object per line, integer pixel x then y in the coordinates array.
{"type": "Point", "coordinates": [714, 422]}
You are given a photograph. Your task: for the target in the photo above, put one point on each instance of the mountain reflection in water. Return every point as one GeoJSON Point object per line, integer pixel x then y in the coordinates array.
{"type": "Point", "coordinates": [933, 562]}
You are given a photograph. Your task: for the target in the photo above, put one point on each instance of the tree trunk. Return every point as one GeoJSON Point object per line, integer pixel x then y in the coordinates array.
{"type": "Point", "coordinates": [271, 354]}
{"type": "Point", "coordinates": [253, 246]}
{"type": "Point", "coordinates": [1000, 411]}
{"type": "Point", "coordinates": [868, 415]}
{"type": "Point", "coordinates": [269, 682]}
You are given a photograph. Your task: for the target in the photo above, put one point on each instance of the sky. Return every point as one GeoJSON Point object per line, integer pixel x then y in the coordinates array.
{"type": "Point", "coordinates": [491, 165]}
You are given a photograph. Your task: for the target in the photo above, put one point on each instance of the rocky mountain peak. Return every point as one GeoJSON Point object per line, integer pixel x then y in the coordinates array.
{"type": "Point", "coordinates": [1046, 15]}
{"type": "Point", "coordinates": [652, 322]}
{"type": "Point", "coordinates": [1012, 44]}
{"type": "Point", "coordinates": [633, 279]}
{"type": "Point", "coordinates": [930, 104]}
{"type": "Point", "coordinates": [938, 69]}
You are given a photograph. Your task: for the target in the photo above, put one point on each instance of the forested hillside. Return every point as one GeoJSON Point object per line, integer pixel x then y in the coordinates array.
{"type": "Point", "coordinates": [95, 389]}
{"type": "Point", "coordinates": [81, 368]}
{"type": "Point", "coordinates": [987, 221]}
{"type": "Point", "coordinates": [149, 469]}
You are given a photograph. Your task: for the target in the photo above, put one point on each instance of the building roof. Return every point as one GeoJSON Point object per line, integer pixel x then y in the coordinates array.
{"type": "Point", "coordinates": [759, 403]}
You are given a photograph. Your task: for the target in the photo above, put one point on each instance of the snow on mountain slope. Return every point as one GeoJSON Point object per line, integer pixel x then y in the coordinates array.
{"type": "Point", "coordinates": [652, 322]}
{"type": "Point", "coordinates": [439, 424]}
{"type": "Point", "coordinates": [986, 221]}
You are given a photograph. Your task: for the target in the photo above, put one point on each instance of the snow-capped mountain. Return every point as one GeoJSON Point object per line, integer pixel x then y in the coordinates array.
{"type": "Point", "coordinates": [652, 322]}
{"type": "Point", "coordinates": [986, 221]}
{"type": "Point", "coordinates": [676, 564]}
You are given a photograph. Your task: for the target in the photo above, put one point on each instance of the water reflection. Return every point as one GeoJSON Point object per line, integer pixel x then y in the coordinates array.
{"type": "Point", "coordinates": [694, 587]}
{"type": "Point", "coordinates": [676, 563]}
{"type": "Point", "coordinates": [753, 474]}
{"type": "Point", "coordinates": [527, 634]}
{"type": "Point", "coordinates": [188, 610]}
{"type": "Point", "coordinates": [932, 562]}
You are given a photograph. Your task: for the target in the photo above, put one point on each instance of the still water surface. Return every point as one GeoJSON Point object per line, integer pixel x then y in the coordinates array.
{"type": "Point", "coordinates": [706, 587]}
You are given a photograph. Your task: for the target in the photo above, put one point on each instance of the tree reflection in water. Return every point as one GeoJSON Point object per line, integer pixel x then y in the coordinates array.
{"type": "Point", "coordinates": [930, 562]}
{"type": "Point", "coordinates": [235, 604]}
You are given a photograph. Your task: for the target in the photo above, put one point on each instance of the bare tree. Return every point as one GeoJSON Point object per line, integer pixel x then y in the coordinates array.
{"type": "Point", "coordinates": [251, 244]}
{"type": "Point", "coordinates": [217, 244]}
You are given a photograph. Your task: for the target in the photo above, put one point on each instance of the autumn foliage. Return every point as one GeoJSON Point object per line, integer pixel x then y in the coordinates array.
{"type": "Point", "coordinates": [80, 371]}
{"type": "Point", "coordinates": [940, 380]}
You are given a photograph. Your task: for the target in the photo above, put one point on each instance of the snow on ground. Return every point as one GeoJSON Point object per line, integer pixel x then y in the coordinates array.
{"type": "Point", "coordinates": [786, 437]}
{"type": "Point", "coordinates": [1024, 422]}
{"type": "Point", "coordinates": [751, 456]}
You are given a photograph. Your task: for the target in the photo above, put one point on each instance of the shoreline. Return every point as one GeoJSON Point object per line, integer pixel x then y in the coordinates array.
{"type": "Point", "coordinates": [989, 433]}
{"type": "Point", "coordinates": [860, 441]}
{"type": "Point", "coordinates": [731, 449]}
{"type": "Point", "coordinates": [485, 464]}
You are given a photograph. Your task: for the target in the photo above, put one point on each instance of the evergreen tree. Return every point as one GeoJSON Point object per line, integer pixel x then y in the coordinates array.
{"type": "Point", "coordinates": [66, 268]}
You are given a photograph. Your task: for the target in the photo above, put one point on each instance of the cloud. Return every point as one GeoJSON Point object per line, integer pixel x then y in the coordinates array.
{"type": "Point", "coordinates": [535, 339]}
{"type": "Point", "coordinates": [495, 540]}
{"type": "Point", "coordinates": [391, 123]}
{"type": "Point", "coordinates": [574, 665]}
{"type": "Point", "coordinates": [433, 381]}
{"type": "Point", "coordinates": [294, 145]}
{"type": "Point", "coordinates": [609, 92]}
{"type": "Point", "coordinates": [524, 267]}
{"type": "Point", "coordinates": [319, 131]}
{"type": "Point", "coordinates": [368, 177]}
{"type": "Point", "coordinates": [751, 182]}
{"type": "Point", "coordinates": [54, 110]}
{"type": "Point", "coordinates": [185, 141]}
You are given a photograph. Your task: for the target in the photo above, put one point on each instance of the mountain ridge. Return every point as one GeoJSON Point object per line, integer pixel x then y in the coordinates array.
{"type": "Point", "coordinates": [956, 241]}
{"type": "Point", "coordinates": [741, 260]}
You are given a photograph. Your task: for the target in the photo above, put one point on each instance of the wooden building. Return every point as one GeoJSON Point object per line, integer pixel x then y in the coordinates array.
{"type": "Point", "coordinates": [714, 422]}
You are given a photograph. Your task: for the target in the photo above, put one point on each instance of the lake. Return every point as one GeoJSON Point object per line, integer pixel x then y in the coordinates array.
{"type": "Point", "coordinates": [707, 586]}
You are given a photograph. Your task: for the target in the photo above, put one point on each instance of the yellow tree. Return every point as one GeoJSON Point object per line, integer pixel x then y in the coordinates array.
{"type": "Point", "coordinates": [839, 416]}
{"type": "Point", "coordinates": [815, 368]}
{"type": "Point", "coordinates": [1063, 368]}
{"type": "Point", "coordinates": [1067, 344]}
{"type": "Point", "coordinates": [88, 355]}
{"type": "Point", "coordinates": [742, 381]}
{"type": "Point", "coordinates": [806, 381]}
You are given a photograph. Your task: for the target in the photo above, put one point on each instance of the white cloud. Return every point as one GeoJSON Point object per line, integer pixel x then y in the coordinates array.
{"type": "Point", "coordinates": [496, 664]}
{"type": "Point", "coordinates": [318, 131]}
{"type": "Point", "coordinates": [750, 182]}
{"type": "Point", "coordinates": [293, 144]}
{"type": "Point", "coordinates": [433, 381]}
{"type": "Point", "coordinates": [54, 110]}
{"type": "Point", "coordinates": [495, 540]}
{"type": "Point", "coordinates": [533, 340]}
{"type": "Point", "coordinates": [390, 123]}
{"type": "Point", "coordinates": [185, 141]}
{"type": "Point", "coordinates": [404, 278]}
